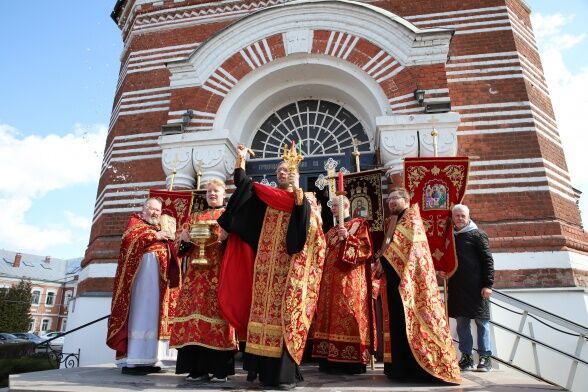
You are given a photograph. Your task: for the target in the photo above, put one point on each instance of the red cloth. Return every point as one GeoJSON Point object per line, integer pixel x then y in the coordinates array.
{"type": "Point", "coordinates": [139, 238]}
{"type": "Point", "coordinates": [275, 198]}
{"type": "Point", "coordinates": [235, 294]}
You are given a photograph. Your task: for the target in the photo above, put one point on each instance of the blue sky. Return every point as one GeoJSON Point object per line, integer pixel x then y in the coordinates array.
{"type": "Point", "coordinates": [58, 70]}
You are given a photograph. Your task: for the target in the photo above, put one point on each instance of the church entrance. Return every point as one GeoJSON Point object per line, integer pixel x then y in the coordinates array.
{"type": "Point", "coordinates": [324, 130]}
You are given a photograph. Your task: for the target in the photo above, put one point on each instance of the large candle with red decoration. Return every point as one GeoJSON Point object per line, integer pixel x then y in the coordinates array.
{"type": "Point", "coordinates": [340, 187]}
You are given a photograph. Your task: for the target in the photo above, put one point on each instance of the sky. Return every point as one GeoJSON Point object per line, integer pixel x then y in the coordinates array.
{"type": "Point", "coordinates": [59, 64]}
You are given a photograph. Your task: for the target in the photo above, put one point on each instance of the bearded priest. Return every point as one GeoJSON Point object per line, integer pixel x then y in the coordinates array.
{"type": "Point", "coordinates": [146, 270]}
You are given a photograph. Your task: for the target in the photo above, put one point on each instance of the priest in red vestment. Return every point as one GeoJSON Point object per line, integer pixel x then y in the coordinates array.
{"type": "Point", "coordinates": [206, 343]}
{"type": "Point", "coordinates": [145, 272]}
{"type": "Point", "coordinates": [417, 342]}
{"type": "Point", "coordinates": [343, 321]}
{"type": "Point", "coordinates": [271, 272]}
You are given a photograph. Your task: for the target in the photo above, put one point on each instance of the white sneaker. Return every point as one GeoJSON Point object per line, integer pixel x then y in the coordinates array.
{"type": "Point", "coordinates": [216, 379]}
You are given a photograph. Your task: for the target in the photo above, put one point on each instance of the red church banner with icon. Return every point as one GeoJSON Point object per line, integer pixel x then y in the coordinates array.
{"type": "Point", "coordinates": [175, 204]}
{"type": "Point", "coordinates": [436, 184]}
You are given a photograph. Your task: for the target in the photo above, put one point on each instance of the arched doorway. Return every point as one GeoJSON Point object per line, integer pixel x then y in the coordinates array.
{"type": "Point", "coordinates": [325, 129]}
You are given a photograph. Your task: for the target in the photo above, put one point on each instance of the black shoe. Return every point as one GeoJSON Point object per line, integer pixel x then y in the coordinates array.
{"type": "Point", "coordinates": [136, 371]}
{"type": "Point", "coordinates": [466, 362]}
{"type": "Point", "coordinates": [485, 364]}
{"type": "Point", "coordinates": [153, 369]}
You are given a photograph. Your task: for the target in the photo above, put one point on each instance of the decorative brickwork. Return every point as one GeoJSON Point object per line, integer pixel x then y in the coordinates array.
{"type": "Point", "coordinates": [519, 190]}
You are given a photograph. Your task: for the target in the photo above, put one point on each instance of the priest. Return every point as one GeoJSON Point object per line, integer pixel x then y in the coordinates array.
{"type": "Point", "coordinates": [147, 269]}
{"type": "Point", "coordinates": [271, 270]}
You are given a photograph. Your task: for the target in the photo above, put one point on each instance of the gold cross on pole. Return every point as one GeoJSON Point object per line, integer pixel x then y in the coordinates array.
{"type": "Point", "coordinates": [434, 134]}
{"type": "Point", "coordinates": [174, 171]}
{"type": "Point", "coordinates": [356, 154]}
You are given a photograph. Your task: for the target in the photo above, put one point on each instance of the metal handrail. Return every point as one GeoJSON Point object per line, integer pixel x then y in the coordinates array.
{"type": "Point", "coordinates": [57, 356]}
{"type": "Point", "coordinates": [570, 356]}
{"type": "Point", "coordinates": [73, 330]}
{"type": "Point", "coordinates": [528, 310]}
{"type": "Point", "coordinates": [580, 329]}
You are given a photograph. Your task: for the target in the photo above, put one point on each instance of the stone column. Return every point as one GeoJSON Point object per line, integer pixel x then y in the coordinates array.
{"type": "Point", "coordinates": [409, 135]}
{"type": "Point", "coordinates": [215, 158]}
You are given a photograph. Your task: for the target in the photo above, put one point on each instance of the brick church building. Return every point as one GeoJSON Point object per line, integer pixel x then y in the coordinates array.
{"type": "Point", "coordinates": [197, 78]}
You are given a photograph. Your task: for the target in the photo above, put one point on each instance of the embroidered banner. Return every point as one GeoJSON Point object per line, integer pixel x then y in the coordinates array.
{"type": "Point", "coordinates": [436, 184]}
{"type": "Point", "coordinates": [175, 204]}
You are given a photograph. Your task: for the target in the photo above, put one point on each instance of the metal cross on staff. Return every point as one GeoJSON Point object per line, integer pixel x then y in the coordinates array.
{"type": "Point", "coordinates": [329, 180]}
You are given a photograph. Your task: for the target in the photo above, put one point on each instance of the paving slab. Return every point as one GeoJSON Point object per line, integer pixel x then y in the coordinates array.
{"type": "Point", "coordinates": [108, 378]}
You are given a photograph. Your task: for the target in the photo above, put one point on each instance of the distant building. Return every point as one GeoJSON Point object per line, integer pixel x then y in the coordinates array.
{"type": "Point", "coordinates": [53, 285]}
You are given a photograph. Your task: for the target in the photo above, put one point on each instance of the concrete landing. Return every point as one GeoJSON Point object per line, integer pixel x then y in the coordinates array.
{"type": "Point", "coordinates": [107, 378]}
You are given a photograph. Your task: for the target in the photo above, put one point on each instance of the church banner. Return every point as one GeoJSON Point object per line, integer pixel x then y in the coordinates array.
{"type": "Point", "coordinates": [176, 205]}
{"type": "Point", "coordinates": [364, 190]}
{"type": "Point", "coordinates": [436, 184]}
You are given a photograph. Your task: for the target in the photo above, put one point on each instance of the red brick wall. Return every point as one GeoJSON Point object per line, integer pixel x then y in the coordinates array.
{"type": "Point", "coordinates": [516, 221]}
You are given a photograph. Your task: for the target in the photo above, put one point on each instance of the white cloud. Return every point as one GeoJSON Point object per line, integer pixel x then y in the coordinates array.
{"type": "Point", "coordinates": [78, 221]}
{"type": "Point", "coordinates": [549, 25]}
{"type": "Point", "coordinates": [34, 165]}
{"type": "Point", "coordinates": [568, 94]}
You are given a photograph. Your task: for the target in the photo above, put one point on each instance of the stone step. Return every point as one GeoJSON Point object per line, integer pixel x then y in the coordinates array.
{"type": "Point", "coordinates": [108, 378]}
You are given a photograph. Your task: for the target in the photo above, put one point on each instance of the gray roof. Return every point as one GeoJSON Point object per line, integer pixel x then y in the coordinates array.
{"type": "Point", "coordinates": [35, 267]}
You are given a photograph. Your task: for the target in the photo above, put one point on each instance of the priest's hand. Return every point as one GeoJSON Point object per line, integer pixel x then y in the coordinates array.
{"type": "Point", "coordinates": [223, 235]}
{"type": "Point", "coordinates": [162, 235]}
{"type": "Point", "coordinates": [343, 233]}
{"type": "Point", "coordinates": [377, 268]}
{"type": "Point", "coordinates": [185, 235]}
{"type": "Point", "coordinates": [293, 179]}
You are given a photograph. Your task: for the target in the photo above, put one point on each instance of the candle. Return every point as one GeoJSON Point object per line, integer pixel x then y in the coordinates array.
{"type": "Point", "coordinates": [299, 147]}
{"type": "Point", "coordinates": [293, 149]}
{"type": "Point", "coordinates": [340, 187]}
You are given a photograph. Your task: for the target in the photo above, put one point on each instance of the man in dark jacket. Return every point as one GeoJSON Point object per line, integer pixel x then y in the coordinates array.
{"type": "Point", "coordinates": [470, 288]}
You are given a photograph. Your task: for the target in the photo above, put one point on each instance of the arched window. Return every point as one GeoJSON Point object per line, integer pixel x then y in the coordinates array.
{"type": "Point", "coordinates": [322, 127]}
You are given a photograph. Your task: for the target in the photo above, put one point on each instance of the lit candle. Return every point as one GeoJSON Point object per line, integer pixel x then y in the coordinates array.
{"type": "Point", "coordinates": [340, 187]}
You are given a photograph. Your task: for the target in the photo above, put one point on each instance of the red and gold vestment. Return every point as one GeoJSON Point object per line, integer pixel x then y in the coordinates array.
{"type": "Point", "coordinates": [197, 319]}
{"type": "Point", "coordinates": [343, 322]}
{"type": "Point", "coordinates": [139, 238]}
{"type": "Point", "coordinates": [427, 329]}
{"type": "Point", "coordinates": [285, 288]}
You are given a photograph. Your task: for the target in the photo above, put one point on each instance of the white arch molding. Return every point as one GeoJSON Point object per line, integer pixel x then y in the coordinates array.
{"type": "Point", "coordinates": [302, 75]}
{"type": "Point", "coordinates": [408, 44]}
{"type": "Point", "coordinates": [297, 77]}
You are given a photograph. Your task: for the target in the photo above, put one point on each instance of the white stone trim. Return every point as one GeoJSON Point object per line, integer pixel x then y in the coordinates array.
{"type": "Point", "coordinates": [98, 270]}
{"type": "Point", "coordinates": [540, 260]}
{"type": "Point", "coordinates": [456, 12]}
{"type": "Point", "coordinates": [400, 39]}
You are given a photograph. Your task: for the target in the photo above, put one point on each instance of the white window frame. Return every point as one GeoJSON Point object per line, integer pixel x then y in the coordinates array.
{"type": "Point", "coordinates": [48, 325]}
{"type": "Point", "coordinates": [67, 298]}
{"type": "Point", "coordinates": [40, 290]}
{"type": "Point", "coordinates": [47, 297]}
